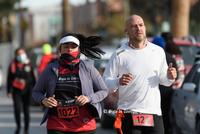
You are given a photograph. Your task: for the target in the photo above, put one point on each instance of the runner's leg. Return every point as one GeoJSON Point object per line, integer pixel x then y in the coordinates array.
{"type": "Point", "coordinates": [26, 103]}
{"type": "Point", "coordinates": [127, 125]}
{"type": "Point", "coordinates": [158, 126]}
{"type": "Point", "coordinates": [17, 106]}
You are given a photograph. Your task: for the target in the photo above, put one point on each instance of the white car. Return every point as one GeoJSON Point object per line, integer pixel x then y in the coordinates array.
{"type": "Point", "coordinates": [185, 104]}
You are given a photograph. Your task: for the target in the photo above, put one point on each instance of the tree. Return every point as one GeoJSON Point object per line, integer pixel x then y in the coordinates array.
{"type": "Point", "coordinates": [6, 7]}
{"type": "Point", "coordinates": [116, 25]}
{"type": "Point", "coordinates": [66, 10]}
{"type": "Point", "coordinates": [176, 12]}
{"type": "Point", "coordinates": [180, 18]}
{"type": "Point", "coordinates": [23, 27]}
{"type": "Point", "coordinates": [153, 13]}
{"type": "Point", "coordinates": [195, 19]}
{"type": "Point", "coordinates": [117, 13]}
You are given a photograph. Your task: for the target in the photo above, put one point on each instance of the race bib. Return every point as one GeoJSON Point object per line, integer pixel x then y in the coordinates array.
{"type": "Point", "coordinates": [19, 83]}
{"type": "Point", "coordinates": [68, 109]}
{"type": "Point", "coordinates": [142, 120]}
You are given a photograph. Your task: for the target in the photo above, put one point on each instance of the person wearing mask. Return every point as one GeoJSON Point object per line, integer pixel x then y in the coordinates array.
{"type": "Point", "coordinates": [165, 91]}
{"type": "Point", "coordinates": [20, 80]}
{"type": "Point", "coordinates": [136, 69]}
{"type": "Point", "coordinates": [175, 51]}
{"type": "Point", "coordinates": [71, 88]}
{"type": "Point", "coordinates": [46, 58]}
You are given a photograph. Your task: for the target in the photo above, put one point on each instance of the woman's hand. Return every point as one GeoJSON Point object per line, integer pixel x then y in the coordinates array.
{"type": "Point", "coordinates": [50, 102]}
{"type": "Point", "coordinates": [81, 100]}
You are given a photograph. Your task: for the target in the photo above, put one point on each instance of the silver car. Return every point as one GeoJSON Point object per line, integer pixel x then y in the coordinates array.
{"type": "Point", "coordinates": [185, 104]}
{"type": "Point", "coordinates": [1, 78]}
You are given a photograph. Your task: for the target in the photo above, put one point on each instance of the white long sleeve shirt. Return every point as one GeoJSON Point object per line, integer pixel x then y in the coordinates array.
{"type": "Point", "coordinates": [149, 69]}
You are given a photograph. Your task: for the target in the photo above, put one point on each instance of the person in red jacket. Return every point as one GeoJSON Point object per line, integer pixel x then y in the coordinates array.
{"type": "Point", "coordinates": [46, 58]}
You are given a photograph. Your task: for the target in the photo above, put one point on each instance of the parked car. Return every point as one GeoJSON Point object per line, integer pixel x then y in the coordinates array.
{"type": "Point", "coordinates": [1, 78]}
{"type": "Point", "coordinates": [189, 49]}
{"type": "Point", "coordinates": [185, 104]}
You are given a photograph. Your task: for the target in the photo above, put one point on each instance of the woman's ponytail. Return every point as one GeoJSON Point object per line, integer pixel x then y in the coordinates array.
{"type": "Point", "coordinates": [88, 46]}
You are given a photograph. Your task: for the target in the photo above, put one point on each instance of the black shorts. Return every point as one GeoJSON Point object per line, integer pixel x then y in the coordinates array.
{"type": "Point", "coordinates": [128, 128]}
{"type": "Point", "coordinates": [50, 131]}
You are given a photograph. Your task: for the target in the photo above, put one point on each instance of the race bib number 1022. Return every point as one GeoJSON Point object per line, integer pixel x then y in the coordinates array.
{"type": "Point", "coordinates": [68, 110]}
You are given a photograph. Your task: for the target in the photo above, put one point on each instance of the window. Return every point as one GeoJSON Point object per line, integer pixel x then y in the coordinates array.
{"type": "Point", "coordinates": [190, 75]}
{"type": "Point", "coordinates": [188, 53]}
{"type": "Point", "coordinates": [196, 79]}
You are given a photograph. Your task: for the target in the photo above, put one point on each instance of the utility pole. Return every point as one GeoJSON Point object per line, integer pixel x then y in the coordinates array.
{"type": "Point", "coordinates": [23, 25]}
{"type": "Point", "coordinates": [67, 21]}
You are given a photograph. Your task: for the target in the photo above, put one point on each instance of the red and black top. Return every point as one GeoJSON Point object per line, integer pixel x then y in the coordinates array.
{"type": "Point", "coordinates": [20, 77]}
{"type": "Point", "coordinates": [68, 86]}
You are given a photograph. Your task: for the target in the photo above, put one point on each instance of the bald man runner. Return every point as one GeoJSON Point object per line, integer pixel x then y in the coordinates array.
{"type": "Point", "coordinates": [136, 69]}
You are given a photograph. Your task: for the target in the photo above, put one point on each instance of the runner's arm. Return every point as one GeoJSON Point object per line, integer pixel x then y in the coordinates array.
{"type": "Point", "coordinates": [110, 75]}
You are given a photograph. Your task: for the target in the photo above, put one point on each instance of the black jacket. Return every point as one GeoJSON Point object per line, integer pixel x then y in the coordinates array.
{"type": "Point", "coordinates": [22, 71]}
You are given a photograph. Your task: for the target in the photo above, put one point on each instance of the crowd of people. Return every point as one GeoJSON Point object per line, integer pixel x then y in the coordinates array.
{"type": "Point", "coordinates": [71, 89]}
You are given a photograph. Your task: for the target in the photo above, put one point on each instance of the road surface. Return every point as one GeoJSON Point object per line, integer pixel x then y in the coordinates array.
{"type": "Point", "coordinates": [7, 122]}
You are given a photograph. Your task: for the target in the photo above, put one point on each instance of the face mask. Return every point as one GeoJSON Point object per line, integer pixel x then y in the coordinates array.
{"type": "Point", "coordinates": [71, 56]}
{"type": "Point", "coordinates": [21, 57]}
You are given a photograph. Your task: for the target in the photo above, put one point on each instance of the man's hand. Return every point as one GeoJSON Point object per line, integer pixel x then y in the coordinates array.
{"type": "Point", "coordinates": [81, 100]}
{"type": "Point", "coordinates": [50, 102]}
{"type": "Point", "coordinates": [171, 72]}
{"type": "Point", "coordinates": [125, 79]}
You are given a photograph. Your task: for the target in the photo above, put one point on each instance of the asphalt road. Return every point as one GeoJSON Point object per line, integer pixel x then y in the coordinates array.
{"type": "Point", "coordinates": [7, 122]}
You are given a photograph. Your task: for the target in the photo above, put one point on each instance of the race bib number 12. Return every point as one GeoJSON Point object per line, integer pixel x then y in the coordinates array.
{"type": "Point", "coordinates": [143, 120]}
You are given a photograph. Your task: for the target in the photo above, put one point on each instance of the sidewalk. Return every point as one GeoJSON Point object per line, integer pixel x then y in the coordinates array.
{"type": "Point", "coordinates": [7, 122]}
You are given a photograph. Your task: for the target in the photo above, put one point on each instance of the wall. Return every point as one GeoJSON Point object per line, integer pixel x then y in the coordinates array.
{"type": "Point", "coordinates": [6, 56]}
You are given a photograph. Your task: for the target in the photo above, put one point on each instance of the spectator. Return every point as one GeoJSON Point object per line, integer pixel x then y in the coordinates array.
{"type": "Point", "coordinates": [174, 49]}
{"type": "Point", "coordinates": [166, 92]}
{"type": "Point", "coordinates": [46, 58]}
{"type": "Point", "coordinates": [19, 83]}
